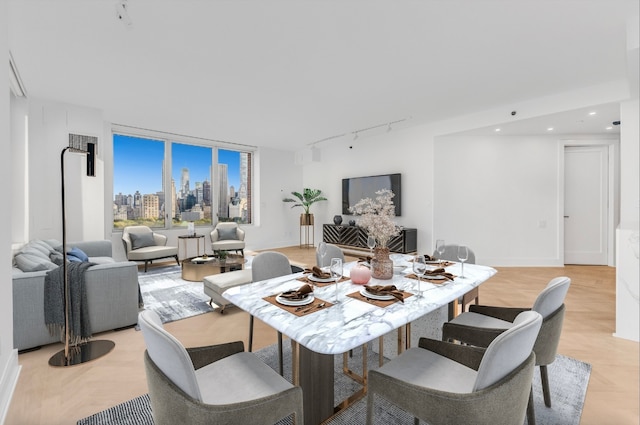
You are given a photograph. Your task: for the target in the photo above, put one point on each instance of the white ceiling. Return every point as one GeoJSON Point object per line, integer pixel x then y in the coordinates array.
{"type": "Point", "coordinates": [287, 73]}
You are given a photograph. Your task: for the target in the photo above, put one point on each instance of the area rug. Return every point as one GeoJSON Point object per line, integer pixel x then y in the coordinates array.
{"type": "Point", "coordinates": [165, 292]}
{"type": "Point", "coordinates": [568, 381]}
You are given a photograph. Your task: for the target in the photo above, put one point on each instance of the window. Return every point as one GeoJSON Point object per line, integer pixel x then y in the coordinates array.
{"type": "Point", "coordinates": [137, 182]}
{"type": "Point", "coordinates": [234, 186]}
{"type": "Point", "coordinates": [195, 192]}
{"type": "Point", "coordinates": [191, 184]}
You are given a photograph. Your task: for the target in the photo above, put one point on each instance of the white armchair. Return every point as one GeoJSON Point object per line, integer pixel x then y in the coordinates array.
{"type": "Point", "coordinates": [227, 236]}
{"type": "Point", "coordinates": [143, 244]}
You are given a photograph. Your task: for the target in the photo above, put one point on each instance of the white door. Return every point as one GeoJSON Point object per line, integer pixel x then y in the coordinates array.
{"type": "Point", "coordinates": [585, 204]}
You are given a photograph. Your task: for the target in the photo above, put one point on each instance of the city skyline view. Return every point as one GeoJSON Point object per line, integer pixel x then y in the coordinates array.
{"type": "Point", "coordinates": [138, 164]}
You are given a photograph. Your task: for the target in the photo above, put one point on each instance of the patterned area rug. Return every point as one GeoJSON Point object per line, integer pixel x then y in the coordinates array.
{"type": "Point", "coordinates": [568, 380]}
{"type": "Point", "coordinates": [164, 292]}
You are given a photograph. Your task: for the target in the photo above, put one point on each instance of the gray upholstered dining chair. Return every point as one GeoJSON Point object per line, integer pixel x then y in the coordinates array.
{"type": "Point", "coordinates": [227, 236]}
{"type": "Point", "coordinates": [451, 254]}
{"type": "Point", "coordinates": [268, 265]}
{"type": "Point", "coordinates": [333, 251]}
{"type": "Point", "coordinates": [445, 383]}
{"type": "Point", "coordinates": [482, 324]}
{"type": "Point", "coordinates": [218, 384]}
{"type": "Point", "coordinates": [143, 244]}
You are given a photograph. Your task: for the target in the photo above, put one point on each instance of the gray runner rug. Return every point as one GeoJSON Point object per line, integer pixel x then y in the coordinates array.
{"type": "Point", "coordinates": [568, 381]}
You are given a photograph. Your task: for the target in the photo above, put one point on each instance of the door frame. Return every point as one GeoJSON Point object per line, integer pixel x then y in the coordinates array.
{"type": "Point", "coordinates": [613, 207]}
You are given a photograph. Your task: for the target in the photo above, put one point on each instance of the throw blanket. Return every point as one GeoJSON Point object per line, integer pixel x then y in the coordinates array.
{"type": "Point", "coordinates": [79, 326]}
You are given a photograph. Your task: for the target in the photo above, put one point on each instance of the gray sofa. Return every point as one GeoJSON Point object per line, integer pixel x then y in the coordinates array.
{"type": "Point", "coordinates": [112, 291]}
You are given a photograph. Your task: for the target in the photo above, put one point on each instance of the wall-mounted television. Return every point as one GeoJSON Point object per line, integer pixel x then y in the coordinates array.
{"type": "Point", "coordinates": [356, 188]}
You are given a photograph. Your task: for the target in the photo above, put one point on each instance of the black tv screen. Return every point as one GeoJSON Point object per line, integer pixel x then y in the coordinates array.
{"type": "Point", "coordinates": [356, 188]}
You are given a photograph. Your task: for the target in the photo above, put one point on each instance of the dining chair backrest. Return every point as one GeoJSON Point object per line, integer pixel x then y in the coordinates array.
{"type": "Point", "coordinates": [508, 350]}
{"type": "Point", "coordinates": [552, 297]}
{"type": "Point", "coordinates": [268, 265]}
{"type": "Point", "coordinates": [451, 254]}
{"type": "Point", "coordinates": [168, 354]}
{"type": "Point", "coordinates": [333, 251]}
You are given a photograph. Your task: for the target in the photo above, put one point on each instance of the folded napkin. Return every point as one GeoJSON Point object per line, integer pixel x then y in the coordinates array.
{"type": "Point", "coordinates": [385, 290]}
{"type": "Point", "coordinates": [317, 272]}
{"type": "Point", "coordinates": [428, 257]}
{"type": "Point", "coordinates": [439, 272]}
{"type": "Point", "coordinates": [298, 294]}
{"type": "Point", "coordinates": [366, 259]}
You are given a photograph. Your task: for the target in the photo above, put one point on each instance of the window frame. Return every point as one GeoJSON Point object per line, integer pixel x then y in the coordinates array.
{"type": "Point", "coordinates": [169, 139]}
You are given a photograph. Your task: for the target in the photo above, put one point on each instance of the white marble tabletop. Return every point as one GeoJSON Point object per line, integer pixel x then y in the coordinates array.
{"type": "Point", "coordinates": [351, 323]}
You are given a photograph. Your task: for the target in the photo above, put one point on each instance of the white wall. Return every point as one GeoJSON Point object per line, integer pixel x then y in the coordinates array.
{"type": "Point", "coordinates": [628, 235]}
{"type": "Point", "coordinates": [49, 126]}
{"type": "Point", "coordinates": [9, 369]}
{"type": "Point", "coordinates": [407, 151]}
{"type": "Point", "coordinates": [500, 197]}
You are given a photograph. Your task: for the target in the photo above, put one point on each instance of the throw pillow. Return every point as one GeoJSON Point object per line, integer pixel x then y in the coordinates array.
{"type": "Point", "coordinates": [77, 253]}
{"type": "Point", "coordinates": [32, 263]}
{"type": "Point", "coordinates": [141, 240]}
{"type": "Point", "coordinates": [227, 233]}
{"type": "Point", "coordinates": [56, 257]}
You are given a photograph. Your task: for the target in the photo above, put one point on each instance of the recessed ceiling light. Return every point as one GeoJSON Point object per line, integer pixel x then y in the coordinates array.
{"type": "Point", "coordinates": [497, 129]}
{"type": "Point", "coordinates": [550, 129]}
{"type": "Point", "coordinates": [592, 113]}
{"type": "Point", "coordinates": [609, 128]}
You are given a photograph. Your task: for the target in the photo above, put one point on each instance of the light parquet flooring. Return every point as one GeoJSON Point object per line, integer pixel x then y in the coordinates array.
{"type": "Point", "coordinates": [52, 396]}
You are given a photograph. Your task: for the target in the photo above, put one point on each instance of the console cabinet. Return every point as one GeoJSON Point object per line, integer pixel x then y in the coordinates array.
{"type": "Point", "coordinates": [356, 237]}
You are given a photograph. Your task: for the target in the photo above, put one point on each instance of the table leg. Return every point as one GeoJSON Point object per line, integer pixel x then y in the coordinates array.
{"type": "Point", "coordinates": [314, 373]}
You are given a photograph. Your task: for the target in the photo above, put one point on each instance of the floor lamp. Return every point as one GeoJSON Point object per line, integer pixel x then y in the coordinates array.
{"type": "Point", "coordinates": [86, 351]}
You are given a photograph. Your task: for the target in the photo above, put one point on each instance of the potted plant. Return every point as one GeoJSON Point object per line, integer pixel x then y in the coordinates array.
{"type": "Point", "coordinates": [305, 199]}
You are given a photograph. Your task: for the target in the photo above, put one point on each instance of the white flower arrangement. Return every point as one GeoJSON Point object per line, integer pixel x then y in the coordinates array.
{"type": "Point", "coordinates": [376, 217]}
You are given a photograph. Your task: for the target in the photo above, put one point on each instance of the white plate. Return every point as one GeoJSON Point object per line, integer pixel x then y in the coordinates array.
{"type": "Point", "coordinates": [319, 279]}
{"type": "Point", "coordinates": [365, 293]}
{"type": "Point", "coordinates": [435, 277]}
{"type": "Point", "coordinates": [433, 261]}
{"type": "Point", "coordinates": [286, 301]}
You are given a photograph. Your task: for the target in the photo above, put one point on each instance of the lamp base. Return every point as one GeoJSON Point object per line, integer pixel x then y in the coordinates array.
{"type": "Point", "coordinates": [82, 353]}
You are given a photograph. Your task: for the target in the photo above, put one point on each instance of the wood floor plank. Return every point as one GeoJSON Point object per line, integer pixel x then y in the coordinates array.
{"type": "Point", "coordinates": [52, 396]}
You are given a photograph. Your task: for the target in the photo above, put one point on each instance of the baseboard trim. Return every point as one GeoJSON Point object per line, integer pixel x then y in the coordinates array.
{"type": "Point", "coordinates": [10, 374]}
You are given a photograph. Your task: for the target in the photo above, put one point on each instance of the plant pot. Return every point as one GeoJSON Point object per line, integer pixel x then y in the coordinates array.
{"type": "Point", "coordinates": [306, 219]}
{"type": "Point", "coordinates": [381, 264]}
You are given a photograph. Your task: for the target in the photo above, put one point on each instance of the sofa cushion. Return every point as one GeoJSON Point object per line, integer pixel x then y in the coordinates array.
{"type": "Point", "coordinates": [229, 233]}
{"type": "Point", "coordinates": [28, 262]}
{"type": "Point", "coordinates": [76, 254]}
{"type": "Point", "coordinates": [141, 240]}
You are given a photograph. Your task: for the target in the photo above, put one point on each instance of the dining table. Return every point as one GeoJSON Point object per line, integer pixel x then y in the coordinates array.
{"type": "Point", "coordinates": [343, 316]}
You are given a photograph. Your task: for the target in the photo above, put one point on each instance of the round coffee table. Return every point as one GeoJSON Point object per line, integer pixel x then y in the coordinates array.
{"type": "Point", "coordinates": [196, 268]}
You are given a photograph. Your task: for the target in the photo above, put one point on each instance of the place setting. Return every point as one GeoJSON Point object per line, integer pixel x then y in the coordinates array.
{"type": "Point", "coordinates": [299, 301]}
{"type": "Point", "coordinates": [320, 278]}
{"type": "Point", "coordinates": [380, 295]}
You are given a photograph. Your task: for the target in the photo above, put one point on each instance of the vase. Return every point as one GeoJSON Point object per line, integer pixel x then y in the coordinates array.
{"type": "Point", "coordinates": [381, 264]}
{"type": "Point", "coordinates": [337, 220]}
{"type": "Point", "coordinates": [352, 222]}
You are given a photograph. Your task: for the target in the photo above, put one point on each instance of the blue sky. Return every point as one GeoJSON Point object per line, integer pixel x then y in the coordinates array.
{"type": "Point", "coordinates": [138, 164]}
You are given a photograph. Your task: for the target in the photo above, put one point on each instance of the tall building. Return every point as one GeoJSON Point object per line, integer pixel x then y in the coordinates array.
{"type": "Point", "coordinates": [206, 192]}
{"type": "Point", "coordinates": [223, 190]}
{"type": "Point", "coordinates": [174, 200]}
{"type": "Point", "coordinates": [198, 192]}
{"type": "Point", "coordinates": [184, 183]}
{"type": "Point", "coordinates": [150, 206]}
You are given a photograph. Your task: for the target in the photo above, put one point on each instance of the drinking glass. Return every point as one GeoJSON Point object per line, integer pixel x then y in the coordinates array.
{"type": "Point", "coordinates": [322, 250]}
{"type": "Point", "coordinates": [440, 248]}
{"type": "Point", "coordinates": [463, 255]}
{"type": "Point", "coordinates": [336, 273]}
{"type": "Point", "coordinates": [419, 268]}
{"type": "Point", "coordinates": [371, 243]}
